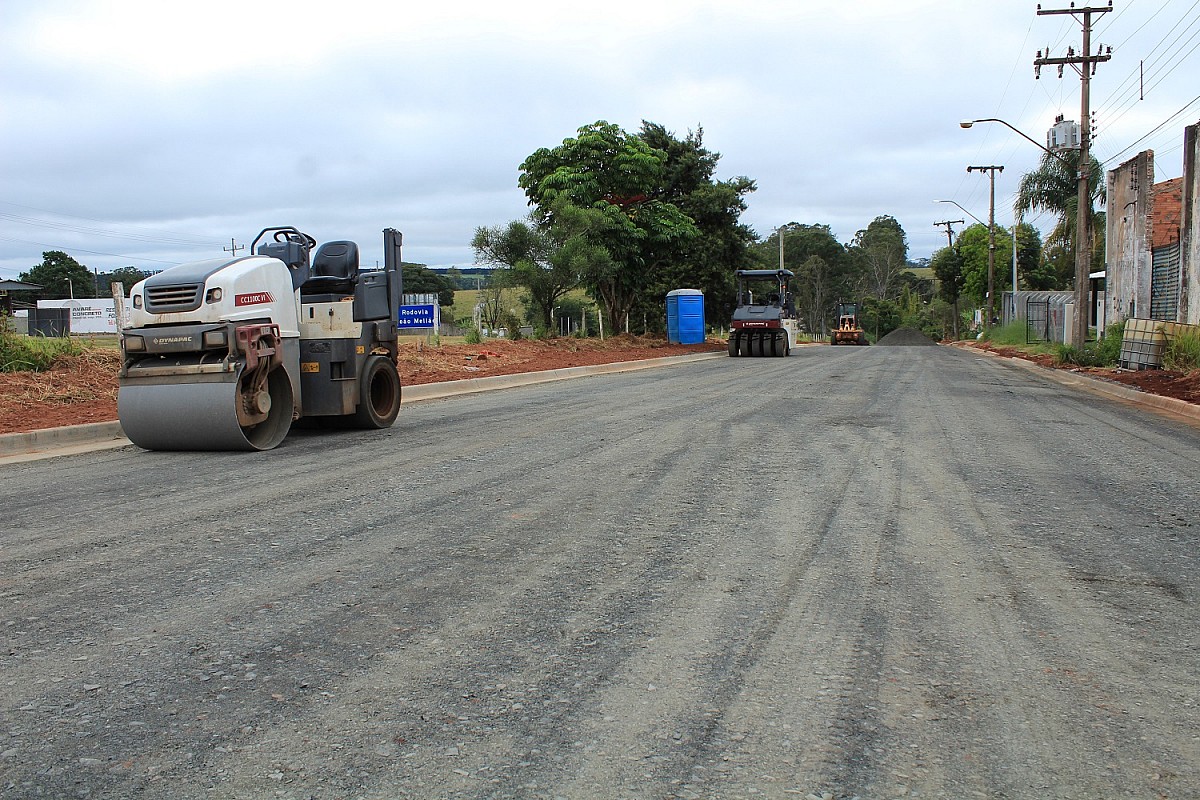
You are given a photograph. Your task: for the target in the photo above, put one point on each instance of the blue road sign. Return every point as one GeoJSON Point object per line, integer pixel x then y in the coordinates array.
{"type": "Point", "coordinates": [421, 316]}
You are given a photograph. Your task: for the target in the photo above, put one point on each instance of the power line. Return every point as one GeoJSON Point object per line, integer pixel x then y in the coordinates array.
{"type": "Point", "coordinates": [1156, 128]}
{"type": "Point", "coordinates": [1123, 97]}
{"type": "Point", "coordinates": [152, 235]}
{"type": "Point", "coordinates": [81, 250]}
{"type": "Point", "coordinates": [1175, 66]}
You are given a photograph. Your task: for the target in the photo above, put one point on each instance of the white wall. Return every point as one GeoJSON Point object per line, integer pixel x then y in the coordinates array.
{"type": "Point", "coordinates": [88, 314]}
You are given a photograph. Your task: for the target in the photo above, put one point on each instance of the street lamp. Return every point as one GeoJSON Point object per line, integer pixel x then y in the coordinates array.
{"type": "Point", "coordinates": [1083, 239]}
{"type": "Point", "coordinates": [960, 208]}
{"type": "Point", "coordinates": [967, 123]}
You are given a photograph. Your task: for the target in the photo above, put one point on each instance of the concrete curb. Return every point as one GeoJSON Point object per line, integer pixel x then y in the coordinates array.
{"type": "Point", "coordinates": [1116, 391]}
{"type": "Point", "coordinates": [32, 445]}
{"type": "Point", "coordinates": [73, 438]}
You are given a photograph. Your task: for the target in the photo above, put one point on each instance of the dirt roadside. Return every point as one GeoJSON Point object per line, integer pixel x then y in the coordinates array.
{"type": "Point", "coordinates": [1165, 383]}
{"type": "Point", "coordinates": [83, 389]}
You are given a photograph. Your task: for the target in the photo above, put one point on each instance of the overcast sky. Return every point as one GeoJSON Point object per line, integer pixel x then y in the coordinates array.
{"type": "Point", "coordinates": [150, 133]}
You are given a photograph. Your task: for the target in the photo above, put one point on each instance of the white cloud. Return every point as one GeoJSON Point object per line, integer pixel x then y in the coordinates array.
{"type": "Point", "coordinates": [214, 120]}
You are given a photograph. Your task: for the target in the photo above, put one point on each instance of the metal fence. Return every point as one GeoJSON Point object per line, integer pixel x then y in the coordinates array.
{"type": "Point", "coordinates": [1037, 321]}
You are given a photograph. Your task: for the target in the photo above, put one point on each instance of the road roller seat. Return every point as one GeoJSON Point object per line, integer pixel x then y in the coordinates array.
{"type": "Point", "coordinates": [334, 269]}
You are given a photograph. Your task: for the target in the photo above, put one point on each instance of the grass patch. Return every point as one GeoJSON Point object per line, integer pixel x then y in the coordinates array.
{"type": "Point", "coordinates": [1010, 335]}
{"type": "Point", "coordinates": [1183, 352]}
{"type": "Point", "coordinates": [20, 353]}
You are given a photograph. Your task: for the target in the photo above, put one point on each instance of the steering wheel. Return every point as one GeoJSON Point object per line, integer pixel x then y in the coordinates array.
{"type": "Point", "coordinates": [294, 235]}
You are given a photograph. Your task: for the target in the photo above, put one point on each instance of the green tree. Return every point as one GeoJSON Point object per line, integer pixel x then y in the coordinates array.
{"type": "Point", "coordinates": [1029, 254]}
{"type": "Point", "coordinates": [547, 261]}
{"type": "Point", "coordinates": [491, 299]}
{"type": "Point", "coordinates": [972, 245]}
{"type": "Point", "coordinates": [420, 279]}
{"type": "Point", "coordinates": [623, 178]}
{"type": "Point", "coordinates": [818, 283]}
{"type": "Point", "coordinates": [61, 276]}
{"type": "Point", "coordinates": [708, 260]}
{"type": "Point", "coordinates": [811, 292]}
{"type": "Point", "coordinates": [1055, 269]}
{"type": "Point", "coordinates": [880, 317]}
{"type": "Point", "coordinates": [1054, 187]}
{"type": "Point", "coordinates": [126, 276]}
{"type": "Point", "coordinates": [947, 267]}
{"type": "Point", "coordinates": [881, 250]}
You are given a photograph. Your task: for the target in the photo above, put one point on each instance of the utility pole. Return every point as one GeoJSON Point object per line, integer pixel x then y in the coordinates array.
{"type": "Point", "coordinates": [1016, 226]}
{"type": "Point", "coordinates": [1085, 65]}
{"type": "Point", "coordinates": [950, 230]}
{"type": "Point", "coordinates": [233, 247]}
{"type": "Point", "coordinates": [991, 171]}
{"type": "Point", "coordinates": [950, 223]}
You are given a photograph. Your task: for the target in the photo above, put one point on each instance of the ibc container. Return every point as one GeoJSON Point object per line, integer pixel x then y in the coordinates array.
{"type": "Point", "coordinates": [1142, 344]}
{"type": "Point", "coordinates": [685, 316]}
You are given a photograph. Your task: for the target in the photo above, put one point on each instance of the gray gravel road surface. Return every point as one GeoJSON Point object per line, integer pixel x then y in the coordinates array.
{"type": "Point", "coordinates": [855, 572]}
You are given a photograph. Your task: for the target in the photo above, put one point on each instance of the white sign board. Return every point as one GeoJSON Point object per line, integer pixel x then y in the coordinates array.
{"type": "Point", "coordinates": [88, 314]}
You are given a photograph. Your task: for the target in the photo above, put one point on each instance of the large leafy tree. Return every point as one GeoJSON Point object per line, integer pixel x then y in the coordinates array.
{"type": "Point", "coordinates": [619, 175]}
{"type": "Point", "coordinates": [972, 246]}
{"type": "Point", "coordinates": [1054, 187]}
{"type": "Point", "coordinates": [881, 251]}
{"type": "Point", "coordinates": [1055, 269]}
{"type": "Point", "coordinates": [948, 269]}
{"type": "Point", "coordinates": [706, 261]}
{"type": "Point", "coordinates": [420, 279]}
{"type": "Point", "coordinates": [61, 276]}
{"type": "Point", "coordinates": [126, 276]}
{"type": "Point", "coordinates": [1029, 256]}
{"type": "Point", "coordinates": [812, 292]}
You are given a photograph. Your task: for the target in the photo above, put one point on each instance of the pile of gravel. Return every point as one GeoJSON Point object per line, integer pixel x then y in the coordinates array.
{"type": "Point", "coordinates": [906, 337]}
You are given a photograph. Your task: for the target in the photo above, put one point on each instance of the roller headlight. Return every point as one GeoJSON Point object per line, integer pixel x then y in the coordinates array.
{"type": "Point", "coordinates": [137, 301]}
{"type": "Point", "coordinates": [214, 295]}
{"type": "Point", "coordinates": [134, 344]}
{"type": "Point", "coordinates": [215, 339]}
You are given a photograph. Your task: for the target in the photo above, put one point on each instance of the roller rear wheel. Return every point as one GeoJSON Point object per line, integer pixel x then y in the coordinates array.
{"type": "Point", "coordinates": [378, 394]}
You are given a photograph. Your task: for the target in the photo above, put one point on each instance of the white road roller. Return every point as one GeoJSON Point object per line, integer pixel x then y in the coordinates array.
{"type": "Point", "coordinates": [225, 354]}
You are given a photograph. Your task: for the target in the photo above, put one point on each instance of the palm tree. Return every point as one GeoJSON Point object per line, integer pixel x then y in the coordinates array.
{"type": "Point", "coordinates": [1054, 187]}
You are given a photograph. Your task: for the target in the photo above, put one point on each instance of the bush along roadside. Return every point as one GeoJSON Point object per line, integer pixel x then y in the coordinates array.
{"type": "Point", "coordinates": [1104, 352]}
{"type": "Point", "coordinates": [19, 353]}
{"type": "Point", "coordinates": [1183, 352]}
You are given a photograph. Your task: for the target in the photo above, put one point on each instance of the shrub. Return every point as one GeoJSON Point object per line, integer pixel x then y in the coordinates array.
{"type": "Point", "coordinates": [33, 353]}
{"type": "Point", "coordinates": [473, 336]}
{"type": "Point", "coordinates": [1108, 349]}
{"type": "Point", "coordinates": [511, 324]}
{"type": "Point", "coordinates": [1183, 352]}
{"type": "Point", "coordinates": [1011, 334]}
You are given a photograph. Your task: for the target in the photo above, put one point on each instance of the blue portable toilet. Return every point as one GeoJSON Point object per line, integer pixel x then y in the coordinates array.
{"type": "Point", "coordinates": [685, 316]}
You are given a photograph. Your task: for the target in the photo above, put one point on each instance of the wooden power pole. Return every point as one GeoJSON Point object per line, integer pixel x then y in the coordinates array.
{"type": "Point", "coordinates": [950, 223]}
{"type": "Point", "coordinates": [991, 302]}
{"type": "Point", "coordinates": [1084, 63]}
